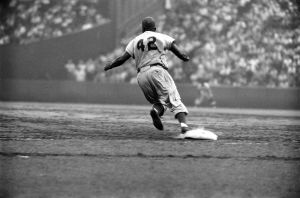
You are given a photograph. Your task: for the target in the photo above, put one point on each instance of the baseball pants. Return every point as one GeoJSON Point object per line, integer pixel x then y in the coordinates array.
{"type": "Point", "coordinates": [159, 88]}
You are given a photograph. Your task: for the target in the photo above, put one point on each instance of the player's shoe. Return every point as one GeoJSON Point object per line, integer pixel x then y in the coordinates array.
{"type": "Point", "coordinates": [184, 129]}
{"type": "Point", "coordinates": [156, 120]}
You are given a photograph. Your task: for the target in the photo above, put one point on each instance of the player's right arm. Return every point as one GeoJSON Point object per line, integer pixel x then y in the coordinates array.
{"type": "Point", "coordinates": [122, 59]}
{"type": "Point", "coordinates": [118, 61]}
{"type": "Point", "coordinates": [175, 49]}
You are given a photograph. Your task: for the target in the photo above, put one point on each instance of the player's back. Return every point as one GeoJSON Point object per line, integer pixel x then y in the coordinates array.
{"type": "Point", "coordinates": [149, 48]}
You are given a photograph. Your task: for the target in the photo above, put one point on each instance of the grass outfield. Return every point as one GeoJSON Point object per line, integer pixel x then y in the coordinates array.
{"type": "Point", "coordinates": [80, 150]}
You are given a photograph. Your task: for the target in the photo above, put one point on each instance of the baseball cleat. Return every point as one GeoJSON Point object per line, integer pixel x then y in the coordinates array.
{"type": "Point", "coordinates": [184, 128]}
{"type": "Point", "coordinates": [156, 120]}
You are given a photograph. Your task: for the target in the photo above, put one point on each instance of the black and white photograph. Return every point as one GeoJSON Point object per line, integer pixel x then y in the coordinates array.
{"type": "Point", "coordinates": [149, 99]}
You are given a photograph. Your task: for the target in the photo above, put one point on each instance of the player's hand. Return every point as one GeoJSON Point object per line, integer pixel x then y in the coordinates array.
{"type": "Point", "coordinates": [107, 67]}
{"type": "Point", "coordinates": [185, 58]}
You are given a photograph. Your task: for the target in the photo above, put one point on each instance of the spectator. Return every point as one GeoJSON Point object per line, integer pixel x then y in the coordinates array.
{"type": "Point", "coordinates": [23, 22]}
{"type": "Point", "coordinates": [80, 72]}
{"type": "Point", "coordinates": [244, 43]}
{"type": "Point", "coordinates": [70, 67]}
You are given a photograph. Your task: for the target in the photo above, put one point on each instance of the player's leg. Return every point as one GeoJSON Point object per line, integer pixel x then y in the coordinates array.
{"type": "Point", "coordinates": [158, 109]}
{"type": "Point", "coordinates": [167, 93]}
{"type": "Point", "coordinates": [181, 117]}
{"type": "Point", "coordinates": [199, 101]}
{"type": "Point", "coordinates": [156, 113]}
{"type": "Point", "coordinates": [156, 119]}
{"type": "Point", "coordinates": [210, 95]}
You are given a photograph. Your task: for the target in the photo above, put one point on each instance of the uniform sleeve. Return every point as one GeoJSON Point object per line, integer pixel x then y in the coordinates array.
{"type": "Point", "coordinates": [168, 41]}
{"type": "Point", "coordinates": [130, 48]}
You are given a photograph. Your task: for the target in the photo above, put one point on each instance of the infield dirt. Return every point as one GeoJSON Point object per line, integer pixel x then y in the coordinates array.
{"type": "Point", "coordinates": [79, 150]}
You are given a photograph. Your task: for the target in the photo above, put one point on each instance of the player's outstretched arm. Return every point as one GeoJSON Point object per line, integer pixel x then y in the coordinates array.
{"type": "Point", "coordinates": [118, 61]}
{"type": "Point", "coordinates": [175, 49]}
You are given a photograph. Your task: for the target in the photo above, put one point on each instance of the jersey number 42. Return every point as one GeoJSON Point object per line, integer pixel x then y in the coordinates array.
{"type": "Point", "coordinates": [150, 43]}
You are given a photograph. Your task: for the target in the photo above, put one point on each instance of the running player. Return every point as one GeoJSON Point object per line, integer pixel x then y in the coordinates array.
{"type": "Point", "coordinates": [149, 52]}
{"type": "Point", "coordinates": [205, 96]}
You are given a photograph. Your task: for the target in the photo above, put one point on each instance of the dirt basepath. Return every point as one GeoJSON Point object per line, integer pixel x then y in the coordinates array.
{"type": "Point", "coordinates": [76, 150]}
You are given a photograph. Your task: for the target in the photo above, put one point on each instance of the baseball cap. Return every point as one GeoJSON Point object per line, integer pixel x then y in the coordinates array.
{"type": "Point", "coordinates": [148, 23]}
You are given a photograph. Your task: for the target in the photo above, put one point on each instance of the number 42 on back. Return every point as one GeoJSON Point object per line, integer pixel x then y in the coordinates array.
{"type": "Point", "coordinates": [150, 44]}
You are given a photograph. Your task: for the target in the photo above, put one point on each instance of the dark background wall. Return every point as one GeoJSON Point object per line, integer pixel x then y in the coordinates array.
{"type": "Point", "coordinates": [46, 59]}
{"type": "Point", "coordinates": [106, 93]}
{"type": "Point", "coordinates": [26, 70]}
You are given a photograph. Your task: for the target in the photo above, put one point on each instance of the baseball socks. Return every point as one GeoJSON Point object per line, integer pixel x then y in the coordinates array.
{"type": "Point", "coordinates": [160, 109]}
{"type": "Point", "coordinates": [181, 117]}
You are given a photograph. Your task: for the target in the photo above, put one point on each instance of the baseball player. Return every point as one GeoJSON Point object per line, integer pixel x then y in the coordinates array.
{"type": "Point", "coordinates": [205, 92]}
{"type": "Point", "coordinates": [149, 52]}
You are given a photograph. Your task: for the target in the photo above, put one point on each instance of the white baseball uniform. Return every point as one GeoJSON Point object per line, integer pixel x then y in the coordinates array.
{"type": "Point", "coordinates": [149, 51]}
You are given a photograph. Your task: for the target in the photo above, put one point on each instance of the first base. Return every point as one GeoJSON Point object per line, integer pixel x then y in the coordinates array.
{"type": "Point", "coordinates": [200, 134]}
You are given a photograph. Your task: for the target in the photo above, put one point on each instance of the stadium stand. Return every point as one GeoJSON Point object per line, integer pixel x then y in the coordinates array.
{"type": "Point", "coordinates": [23, 22]}
{"type": "Point", "coordinates": [244, 43]}
{"type": "Point", "coordinates": [249, 43]}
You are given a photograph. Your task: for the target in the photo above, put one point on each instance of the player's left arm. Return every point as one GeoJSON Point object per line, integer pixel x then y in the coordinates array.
{"type": "Point", "coordinates": [118, 61]}
{"type": "Point", "coordinates": [179, 52]}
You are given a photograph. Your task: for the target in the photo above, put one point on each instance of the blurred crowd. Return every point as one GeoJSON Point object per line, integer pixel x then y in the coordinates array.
{"type": "Point", "coordinates": [92, 69]}
{"type": "Point", "coordinates": [24, 22]}
{"type": "Point", "coordinates": [239, 43]}
{"type": "Point", "coordinates": [236, 43]}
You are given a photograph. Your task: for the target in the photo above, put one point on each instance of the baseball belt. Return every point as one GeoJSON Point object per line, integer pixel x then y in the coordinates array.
{"type": "Point", "coordinates": [152, 65]}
